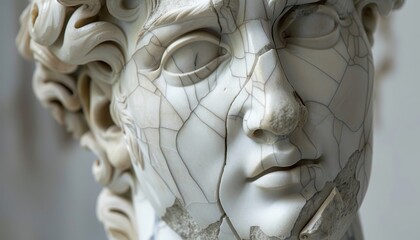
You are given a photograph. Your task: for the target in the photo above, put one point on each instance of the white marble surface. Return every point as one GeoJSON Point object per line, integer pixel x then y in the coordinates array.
{"type": "Point", "coordinates": [289, 107]}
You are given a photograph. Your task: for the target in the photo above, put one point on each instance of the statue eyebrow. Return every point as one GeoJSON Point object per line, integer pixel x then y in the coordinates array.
{"type": "Point", "coordinates": [299, 2]}
{"type": "Point", "coordinates": [207, 9]}
{"type": "Point", "coordinates": [289, 3]}
{"type": "Point", "coordinates": [273, 7]}
{"type": "Point", "coordinates": [181, 15]}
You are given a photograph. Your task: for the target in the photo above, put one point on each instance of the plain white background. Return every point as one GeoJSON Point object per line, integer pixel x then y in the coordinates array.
{"type": "Point", "coordinates": [47, 190]}
{"type": "Point", "coordinates": [391, 209]}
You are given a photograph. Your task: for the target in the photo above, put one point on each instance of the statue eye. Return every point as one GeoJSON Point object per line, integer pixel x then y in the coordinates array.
{"type": "Point", "coordinates": [192, 58]}
{"type": "Point", "coordinates": [311, 27]}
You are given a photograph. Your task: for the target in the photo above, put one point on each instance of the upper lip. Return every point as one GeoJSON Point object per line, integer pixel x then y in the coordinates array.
{"type": "Point", "coordinates": [270, 164]}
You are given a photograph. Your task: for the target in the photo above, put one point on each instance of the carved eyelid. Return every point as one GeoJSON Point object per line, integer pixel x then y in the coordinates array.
{"type": "Point", "coordinates": [190, 38]}
{"type": "Point", "coordinates": [325, 40]}
{"type": "Point", "coordinates": [193, 77]}
{"type": "Point", "coordinates": [306, 10]}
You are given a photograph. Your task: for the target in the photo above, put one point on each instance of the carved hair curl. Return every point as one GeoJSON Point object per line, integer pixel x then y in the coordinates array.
{"type": "Point", "coordinates": [79, 50]}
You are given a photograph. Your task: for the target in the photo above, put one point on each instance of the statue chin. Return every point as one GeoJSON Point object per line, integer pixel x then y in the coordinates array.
{"type": "Point", "coordinates": [222, 119]}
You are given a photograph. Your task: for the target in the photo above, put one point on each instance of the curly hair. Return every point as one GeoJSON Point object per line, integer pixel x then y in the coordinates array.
{"type": "Point", "coordinates": [80, 47]}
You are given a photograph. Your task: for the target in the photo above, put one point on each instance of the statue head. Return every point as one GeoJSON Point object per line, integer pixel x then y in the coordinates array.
{"type": "Point", "coordinates": [230, 118]}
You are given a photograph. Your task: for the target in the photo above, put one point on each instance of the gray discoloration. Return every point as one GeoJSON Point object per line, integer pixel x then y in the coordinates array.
{"type": "Point", "coordinates": [258, 234]}
{"type": "Point", "coordinates": [182, 223]}
{"type": "Point", "coordinates": [348, 185]}
{"type": "Point", "coordinates": [309, 209]}
{"type": "Point", "coordinates": [319, 227]}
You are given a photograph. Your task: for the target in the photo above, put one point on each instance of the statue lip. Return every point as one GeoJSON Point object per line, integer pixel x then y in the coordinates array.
{"type": "Point", "coordinates": [275, 176]}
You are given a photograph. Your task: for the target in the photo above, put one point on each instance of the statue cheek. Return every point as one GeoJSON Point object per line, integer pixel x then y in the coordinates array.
{"type": "Point", "coordinates": [351, 99]}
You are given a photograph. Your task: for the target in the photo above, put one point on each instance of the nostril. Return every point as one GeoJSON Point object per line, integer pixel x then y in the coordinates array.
{"type": "Point", "coordinates": [258, 133]}
{"type": "Point", "coordinates": [266, 137]}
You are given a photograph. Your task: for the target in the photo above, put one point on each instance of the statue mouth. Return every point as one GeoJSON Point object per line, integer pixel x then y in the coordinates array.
{"type": "Point", "coordinates": [277, 177]}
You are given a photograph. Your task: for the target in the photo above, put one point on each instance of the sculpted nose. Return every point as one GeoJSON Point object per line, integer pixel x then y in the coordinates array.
{"type": "Point", "coordinates": [275, 110]}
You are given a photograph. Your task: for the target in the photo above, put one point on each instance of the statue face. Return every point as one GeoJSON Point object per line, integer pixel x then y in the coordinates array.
{"type": "Point", "coordinates": [249, 113]}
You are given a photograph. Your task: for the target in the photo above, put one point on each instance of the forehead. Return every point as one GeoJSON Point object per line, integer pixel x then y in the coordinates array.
{"type": "Point", "coordinates": [241, 10]}
{"type": "Point", "coordinates": [165, 5]}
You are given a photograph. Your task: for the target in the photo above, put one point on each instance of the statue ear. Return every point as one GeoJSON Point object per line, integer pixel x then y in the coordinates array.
{"type": "Point", "coordinates": [369, 11]}
{"type": "Point", "coordinates": [369, 16]}
{"type": "Point", "coordinates": [105, 138]}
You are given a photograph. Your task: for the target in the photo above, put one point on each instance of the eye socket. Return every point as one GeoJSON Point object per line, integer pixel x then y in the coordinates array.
{"type": "Point", "coordinates": [314, 27]}
{"type": "Point", "coordinates": [310, 26]}
{"type": "Point", "coordinates": [192, 58]}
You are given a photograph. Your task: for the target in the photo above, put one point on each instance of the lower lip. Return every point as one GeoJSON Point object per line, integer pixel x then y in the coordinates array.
{"type": "Point", "coordinates": [279, 180]}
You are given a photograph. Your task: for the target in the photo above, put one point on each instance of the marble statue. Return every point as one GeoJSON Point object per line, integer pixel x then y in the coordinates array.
{"type": "Point", "coordinates": [214, 119]}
